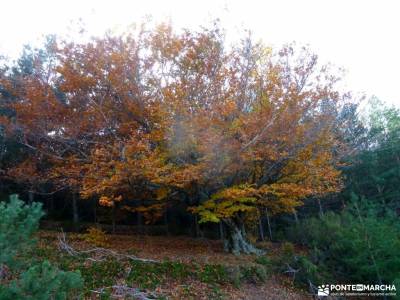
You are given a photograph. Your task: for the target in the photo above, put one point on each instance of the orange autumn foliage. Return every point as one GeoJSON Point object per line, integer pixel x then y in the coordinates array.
{"type": "Point", "coordinates": [154, 117]}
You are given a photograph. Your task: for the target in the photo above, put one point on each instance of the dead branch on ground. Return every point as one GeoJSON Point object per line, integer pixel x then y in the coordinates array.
{"type": "Point", "coordinates": [97, 254]}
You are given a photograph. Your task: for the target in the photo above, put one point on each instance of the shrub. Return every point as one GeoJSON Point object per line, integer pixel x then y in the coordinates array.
{"type": "Point", "coordinates": [234, 275]}
{"type": "Point", "coordinates": [96, 237]}
{"type": "Point", "coordinates": [357, 245]}
{"type": "Point", "coordinates": [253, 274]}
{"type": "Point", "coordinates": [213, 273]}
{"type": "Point", "coordinates": [42, 282]}
{"type": "Point", "coordinates": [263, 260]}
{"type": "Point", "coordinates": [299, 267]}
{"type": "Point", "coordinates": [18, 223]}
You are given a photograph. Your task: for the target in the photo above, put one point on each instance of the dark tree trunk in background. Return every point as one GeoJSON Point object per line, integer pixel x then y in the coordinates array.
{"type": "Point", "coordinates": [31, 197]}
{"type": "Point", "coordinates": [261, 228]}
{"type": "Point", "coordinates": [166, 222]}
{"type": "Point", "coordinates": [269, 224]}
{"type": "Point", "coordinates": [321, 211]}
{"type": "Point", "coordinates": [221, 230]}
{"type": "Point", "coordinates": [113, 217]}
{"type": "Point", "coordinates": [296, 218]}
{"type": "Point", "coordinates": [196, 226]}
{"type": "Point", "coordinates": [75, 212]}
{"type": "Point", "coordinates": [222, 236]}
{"type": "Point", "coordinates": [140, 222]}
{"type": "Point", "coordinates": [95, 211]}
{"type": "Point", "coordinates": [52, 203]}
{"type": "Point", "coordinates": [236, 241]}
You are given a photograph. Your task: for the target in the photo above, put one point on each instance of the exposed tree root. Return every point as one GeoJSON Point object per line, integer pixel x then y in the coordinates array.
{"type": "Point", "coordinates": [236, 242]}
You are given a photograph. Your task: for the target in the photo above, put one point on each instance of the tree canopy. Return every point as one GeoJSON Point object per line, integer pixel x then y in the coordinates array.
{"type": "Point", "coordinates": [158, 116]}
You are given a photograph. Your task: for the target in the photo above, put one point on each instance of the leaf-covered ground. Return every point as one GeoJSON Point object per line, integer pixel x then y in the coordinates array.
{"type": "Point", "coordinates": [187, 268]}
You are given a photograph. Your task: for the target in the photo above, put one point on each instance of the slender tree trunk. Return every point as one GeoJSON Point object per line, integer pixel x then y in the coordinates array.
{"type": "Point", "coordinates": [196, 227]}
{"type": "Point", "coordinates": [140, 222]}
{"type": "Point", "coordinates": [114, 210]}
{"type": "Point", "coordinates": [221, 230]}
{"type": "Point", "coordinates": [75, 212]}
{"type": "Point", "coordinates": [296, 218]}
{"type": "Point", "coordinates": [166, 222]}
{"type": "Point", "coordinates": [321, 211]}
{"type": "Point", "coordinates": [343, 204]}
{"type": "Point", "coordinates": [222, 236]}
{"type": "Point", "coordinates": [236, 241]}
{"type": "Point", "coordinates": [269, 224]}
{"type": "Point", "coordinates": [95, 212]}
{"type": "Point", "coordinates": [380, 193]}
{"type": "Point", "coordinates": [261, 228]}
{"type": "Point", "coordinates": [52, 203]}
{"type": "Point", "coordinates": [31, 197]}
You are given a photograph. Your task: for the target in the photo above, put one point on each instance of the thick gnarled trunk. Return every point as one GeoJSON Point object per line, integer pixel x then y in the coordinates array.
{"type": "Point", "coordinates": [235, 240]}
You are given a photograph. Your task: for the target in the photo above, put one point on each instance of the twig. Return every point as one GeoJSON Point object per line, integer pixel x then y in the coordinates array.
{"type": "Point", "coordinates": [292, 271]}
{"type": "Point", "coordinates": [124, 291]}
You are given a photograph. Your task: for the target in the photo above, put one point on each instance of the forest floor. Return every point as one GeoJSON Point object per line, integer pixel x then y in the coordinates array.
{"type": "Point", "coordinates": [186, 268]}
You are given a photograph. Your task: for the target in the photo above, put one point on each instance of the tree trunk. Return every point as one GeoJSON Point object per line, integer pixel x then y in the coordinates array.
{"type": "Point", "coordinates": [321, 211]}
{"type": "Point", "coordinates": [197, 232]}
{"type": "Point", "coordinates": [113, 218]}
{"type": "Point", "coordinates": [31, 197]}
{"type": "Point", "coordinates": [380, 193]}
{"type": "Point", "coordinates": [95, 211]}
{"type": "Point", "coordinates": [52, 203]}
{"type": "Point", "coordinates": [166, 222]}
{"type": "Point", "coordinates": [261, 228]}
{"type": "Point", "coordinates": [222, 236]}
{"type": "Point", "coordinates": [269, 224]}
{"type": "Point", "coordinates": [221, 230]}
{"type": "Point", "coordinates": [75, 213]}
{"type": "Point", "coordinates": [140, 222]}
{"type": "Point", "coordinates": [296, 218]}
{"type": "Point", "coordinates": [236, 242]}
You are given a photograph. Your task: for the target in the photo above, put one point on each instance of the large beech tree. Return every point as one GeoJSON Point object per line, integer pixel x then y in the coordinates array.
{"type": "Point", "coordinates": [154, 117]}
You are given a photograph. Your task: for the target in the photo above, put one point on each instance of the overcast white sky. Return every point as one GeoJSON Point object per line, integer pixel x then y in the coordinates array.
{"type": "Point", "coordinates": [363, 36]}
